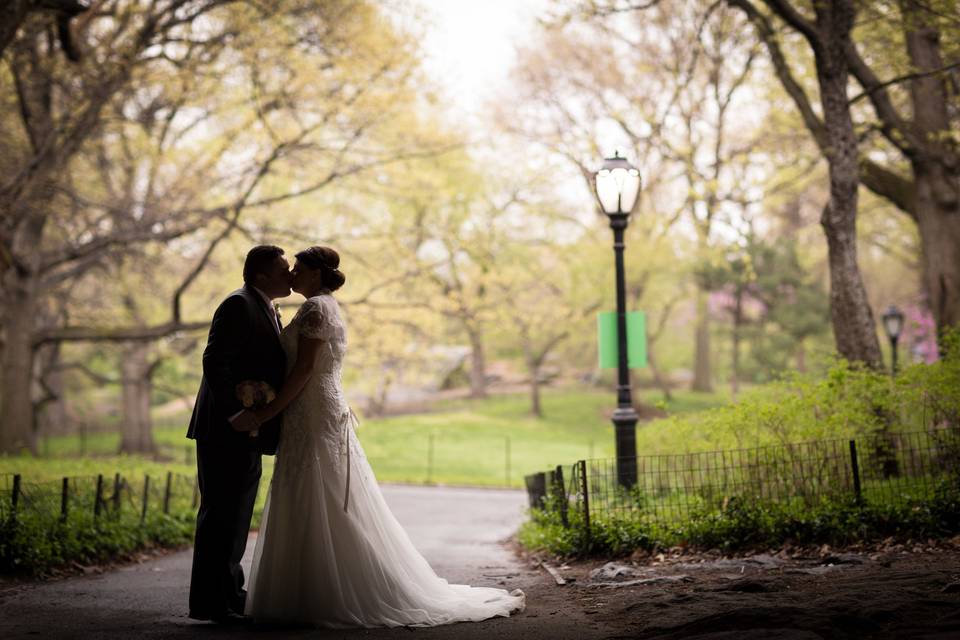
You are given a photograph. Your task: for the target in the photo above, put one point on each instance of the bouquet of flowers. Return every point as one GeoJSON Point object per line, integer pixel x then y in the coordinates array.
{"type": "Point", "coordinates": [254, 394]}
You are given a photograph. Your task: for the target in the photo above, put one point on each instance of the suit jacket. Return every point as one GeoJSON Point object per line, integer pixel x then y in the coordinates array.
{"type": "Point", "coordinates": [242, 345]}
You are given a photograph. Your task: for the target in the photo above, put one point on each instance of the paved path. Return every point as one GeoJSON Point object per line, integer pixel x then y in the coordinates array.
{"type": "Point", "coordinates": [458, 530]}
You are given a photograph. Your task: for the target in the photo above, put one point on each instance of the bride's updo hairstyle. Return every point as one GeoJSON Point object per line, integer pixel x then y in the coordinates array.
{"type": "Point", "coordinates": [325, 260]}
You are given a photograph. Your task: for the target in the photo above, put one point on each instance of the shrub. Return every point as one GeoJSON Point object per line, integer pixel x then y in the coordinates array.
{"type": "Point", "coordinates": [903, 498]}
{"type": "Point", "coordinates": [747, 524]}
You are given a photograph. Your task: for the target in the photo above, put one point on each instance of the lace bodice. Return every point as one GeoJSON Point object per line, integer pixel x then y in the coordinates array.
{"type": "Point", "coordinates": [316, 417]}
{"type": "Point", "coordinates": [318, 317]}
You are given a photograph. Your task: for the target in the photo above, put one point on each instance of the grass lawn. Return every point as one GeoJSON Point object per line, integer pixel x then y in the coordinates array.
{"type": "Point", "coordinates": [470, 441]}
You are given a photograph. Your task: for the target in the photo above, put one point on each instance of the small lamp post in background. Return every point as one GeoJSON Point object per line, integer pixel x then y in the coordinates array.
{"type": "Point", "coordinates": [618, 184]}
{"type": "Point", "coordinates": [893, 325]}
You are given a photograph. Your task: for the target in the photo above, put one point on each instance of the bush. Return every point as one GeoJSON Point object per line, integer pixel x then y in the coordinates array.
{"type": "Point", "coordinates": [848, 402]}
{"type": "Point", "coordinates": [747, 524]}
{"type": "Point", "coordinates": [37, 538]}
{"type": "Point", "coordinates": [31, 545]}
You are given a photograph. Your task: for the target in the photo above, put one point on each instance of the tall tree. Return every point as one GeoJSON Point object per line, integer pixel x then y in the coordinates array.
{"type": "Point", "coordinates": [59, 110]}
{"type": "Point", "coordinates": [929, 190]}
{"type": "Point", "coordinates": [175, 129]}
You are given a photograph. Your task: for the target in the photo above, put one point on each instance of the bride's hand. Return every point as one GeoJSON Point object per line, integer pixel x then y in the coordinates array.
{"type": "Point", "coordinates": [260, 415]}
{"type": "Point", "coordinates": [245, 421]}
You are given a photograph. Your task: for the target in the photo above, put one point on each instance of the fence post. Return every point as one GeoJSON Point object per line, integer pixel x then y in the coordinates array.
{"type": "Point", "coordinates": [585, 492]}
{"type": "Point", "coordinates": [116, 493]}
{"type": "Point", "coordinates": [15, 497]}
{"type": "Point", "coordinates": [560, 489]}
{"type": "Point", "coordinates": [855, 467]}
{"type": "Point", "coordinates": [99, 497]}
{"type": "Point", "coordinates": [146, 497]}
{"type": "Point", "coordinates": [64, 498]}
{"type": "Point", "coordinates": [536, 489]}
{"type": "Point", "coordinates": [166, 492]}
{"type": "Point", "coordinates": [429, 457]}
{"type": "Point", "coordinates": [507, 438]}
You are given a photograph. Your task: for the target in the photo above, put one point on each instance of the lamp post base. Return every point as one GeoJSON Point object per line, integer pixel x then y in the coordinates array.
{"type": "Point", "coordinates": [625, 430]}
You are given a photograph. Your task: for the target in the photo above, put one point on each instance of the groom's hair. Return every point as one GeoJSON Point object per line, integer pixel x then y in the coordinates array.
{"type": "Point", "coordinates": [258, 259]}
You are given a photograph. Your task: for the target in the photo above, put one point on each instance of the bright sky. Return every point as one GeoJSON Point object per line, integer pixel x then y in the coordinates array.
{"type": "Point", "coordinates": [471, 45]}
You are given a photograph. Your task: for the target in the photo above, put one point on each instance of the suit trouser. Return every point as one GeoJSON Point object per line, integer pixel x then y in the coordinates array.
{"type": "Point", "coordinates": [228, 477]}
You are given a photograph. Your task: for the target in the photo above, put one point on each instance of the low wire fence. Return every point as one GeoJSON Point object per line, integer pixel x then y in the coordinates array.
{"type": "Point", "coordinates": [95, 496]}
{"type": "Point", "coordinates": [89, 518]}
{"type": "Point", "coordinates": [888, 469]}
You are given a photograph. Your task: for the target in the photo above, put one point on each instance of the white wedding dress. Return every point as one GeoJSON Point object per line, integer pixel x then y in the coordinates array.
{"type": "Point", "coordinates": [330, 552]}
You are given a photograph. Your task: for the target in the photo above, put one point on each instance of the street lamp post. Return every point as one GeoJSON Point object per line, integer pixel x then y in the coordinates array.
{"type": "Point", "coordinates": [618, 184]}
{"type": "Point", "coordinates": [893, 325]}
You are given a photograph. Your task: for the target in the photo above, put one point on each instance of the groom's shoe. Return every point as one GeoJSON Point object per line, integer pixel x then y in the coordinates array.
{"type": "Point", "coordinates": [222, 617]}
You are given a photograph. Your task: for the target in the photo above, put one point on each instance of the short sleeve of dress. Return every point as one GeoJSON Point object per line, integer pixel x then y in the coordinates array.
{"type": "Point", "coordinates": [313, 321]}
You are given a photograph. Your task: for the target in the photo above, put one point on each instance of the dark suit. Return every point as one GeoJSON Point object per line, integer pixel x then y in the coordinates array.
{"type": "Point", "coordinates": [242, 345]}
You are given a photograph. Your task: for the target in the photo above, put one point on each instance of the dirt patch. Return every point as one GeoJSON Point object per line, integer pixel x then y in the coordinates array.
{"type": "Point", "coordinates": [888, 591]}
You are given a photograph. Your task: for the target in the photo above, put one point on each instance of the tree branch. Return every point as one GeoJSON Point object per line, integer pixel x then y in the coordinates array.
{"type": "Point", "coordinates": [782, 68]}
{"type": "Point", "coordinates": [910, 76]}
{"type": "Point", "coordinates": [115, 334]}
{"type": "Point", "coordinates": [795, 19]}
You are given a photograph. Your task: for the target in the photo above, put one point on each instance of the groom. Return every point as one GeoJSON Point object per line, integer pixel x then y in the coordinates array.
{"type": "Point", "coordinates": [243, 344]}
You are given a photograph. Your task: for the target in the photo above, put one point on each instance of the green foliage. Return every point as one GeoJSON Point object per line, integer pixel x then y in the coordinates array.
{"type": "Point", "coordinates": [771, 303]}
{"type": "Point", "coordinates": [132, 516]}
{"type": "Point", "coordinates": [848, 402]}
{"type": "Point", "coordinates": [31, 543]}
{"type": "Point", "coordinates": [745, 524]}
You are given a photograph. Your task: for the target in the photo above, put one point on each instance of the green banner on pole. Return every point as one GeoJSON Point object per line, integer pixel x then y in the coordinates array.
{"type": "Point", "coordinates": [636, 339]}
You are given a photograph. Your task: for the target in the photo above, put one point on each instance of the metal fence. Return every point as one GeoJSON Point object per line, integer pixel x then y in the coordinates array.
{"type": "Point", "coordinates": [86, 497]}
{"type": "Point", "coordinates": [894, 469]}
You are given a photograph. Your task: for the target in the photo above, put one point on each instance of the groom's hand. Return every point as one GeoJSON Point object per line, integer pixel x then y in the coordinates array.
{"type": "Point", "coordinates": [244, 421]}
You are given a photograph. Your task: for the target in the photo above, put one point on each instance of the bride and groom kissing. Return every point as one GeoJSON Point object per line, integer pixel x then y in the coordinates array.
{"type": "Point", "coordinates": [329, 551]}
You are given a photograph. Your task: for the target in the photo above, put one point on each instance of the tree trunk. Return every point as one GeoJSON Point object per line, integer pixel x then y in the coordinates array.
{"type": "Point", "coordinates": [936, 170]}
{"type": "Point", "coordinates": [53, 418]}
{"type": "Point", "coordinates": [801, 356]}
{"type": "Point", "coordinates": [16, 368]}
{"type": "Point", "coordinates": [853, 325]}
{"type": "Point", "coordinates": [658, 378]}
{"type": "Point", "coordinates": [12, 15]}
{"type": "Point", "coordinates": [735, 364]}
{"type": "Point", "coordinates": [939, 225]}
{"type": "Point", "coordinates": [932, 198]}
{"type": "Point", "coordinates": [136, 429]}
{"type": "Point", "coordinates": [701, 367]}
{"type": "Point", "coordinates": [478, 365]}
{"type": "Point", "coordinates": [535, 408]}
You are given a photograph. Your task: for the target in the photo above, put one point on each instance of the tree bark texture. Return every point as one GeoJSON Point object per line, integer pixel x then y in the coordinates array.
{"type": "Point", "coordinates": [931, 194]}
{"type": "Point", "coordinates": [16, 369]}
{"type": "Point", "coordinates": [735, 347]}
{"type": "Point", "coordinates": [53, 418]}
{"type": "Point", "coordinates": [853, 325]}
{"type": "Point", "coordinates": [936, 169]}
{"type": "Point", "coordinates": [478, 365]}
{"type": "Point", "coordinates": [136, 428]}
{"type": "Point", "coordinates": [12, 14]}
{"type": "Point", "coordinates": [701, 367]}
{"type": "Point", "coordinates": [535, 407]}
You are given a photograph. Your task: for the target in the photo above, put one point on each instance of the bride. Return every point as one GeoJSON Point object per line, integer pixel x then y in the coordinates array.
{"type": "Point", "coordinates": [330, 552]}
